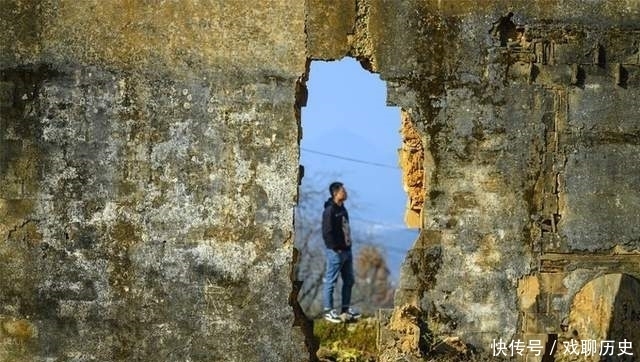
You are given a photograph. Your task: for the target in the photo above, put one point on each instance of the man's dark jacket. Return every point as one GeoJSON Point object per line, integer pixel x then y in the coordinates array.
{"type": "Point", "coordinates": [332, 231]}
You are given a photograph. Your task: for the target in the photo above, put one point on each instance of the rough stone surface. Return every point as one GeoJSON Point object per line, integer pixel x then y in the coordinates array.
{"type": "Point", "coordinates": [149, 163]}
{"type": "Point", "coordinates": [606, 308]}
{"type": "Point", "coordinates": [330, 26]}
{"type": "Point", "coordinates": [146, 158]}
{"type": "Point", "coordinates": [413, 163]}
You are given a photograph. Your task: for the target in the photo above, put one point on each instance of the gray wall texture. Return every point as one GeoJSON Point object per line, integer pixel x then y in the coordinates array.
{"type": "Point", "coordinates": [149, 167]}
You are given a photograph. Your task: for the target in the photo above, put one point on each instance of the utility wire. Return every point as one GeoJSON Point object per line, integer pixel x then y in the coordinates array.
{"type": "Point", "coordinates": [350, 159]}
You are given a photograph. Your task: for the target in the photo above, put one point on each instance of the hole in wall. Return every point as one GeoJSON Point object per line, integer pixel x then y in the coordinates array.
{"type": "Point", "coordinates": [605, 309]}
{"type": "Point", "coordinates": [350, 135]}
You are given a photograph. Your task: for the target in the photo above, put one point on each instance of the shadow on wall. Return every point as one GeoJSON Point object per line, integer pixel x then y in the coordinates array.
{"type": "Point", "coordinates": [604, 322]}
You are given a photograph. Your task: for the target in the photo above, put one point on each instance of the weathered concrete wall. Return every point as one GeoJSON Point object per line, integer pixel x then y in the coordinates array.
{"type": "Point", "coordinates": [528, 128]}
{"type": "Point", "coordinates": [149, 160]}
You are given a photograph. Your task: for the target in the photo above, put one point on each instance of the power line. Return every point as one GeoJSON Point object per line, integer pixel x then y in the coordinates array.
{"type": "Point", "coordinates": [350, 159]}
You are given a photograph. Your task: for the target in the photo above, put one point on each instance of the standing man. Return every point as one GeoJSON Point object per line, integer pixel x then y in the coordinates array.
{"type": "Point", "coordinates": [337, 239]}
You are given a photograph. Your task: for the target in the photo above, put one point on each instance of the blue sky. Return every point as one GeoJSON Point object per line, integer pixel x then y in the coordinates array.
{"type": "Point", "coordinates": [346, 115]}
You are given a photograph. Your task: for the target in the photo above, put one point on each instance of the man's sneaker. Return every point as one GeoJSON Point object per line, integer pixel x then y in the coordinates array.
{"type": "Point", "coordinates": [353, 314]}
{"type": "Point", "coordinates": [332, 316]}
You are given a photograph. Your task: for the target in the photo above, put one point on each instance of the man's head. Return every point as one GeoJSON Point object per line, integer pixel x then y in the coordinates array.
{"type": "Point", "coordinates": [338, 192]}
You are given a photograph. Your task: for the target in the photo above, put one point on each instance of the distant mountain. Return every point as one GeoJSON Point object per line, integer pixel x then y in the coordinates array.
{"type": "Point", "coordinates": [366, 146]}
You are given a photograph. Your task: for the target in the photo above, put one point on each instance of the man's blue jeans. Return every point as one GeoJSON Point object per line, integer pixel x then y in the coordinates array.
{"type": "Point", "coordinates": [338, 262]}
